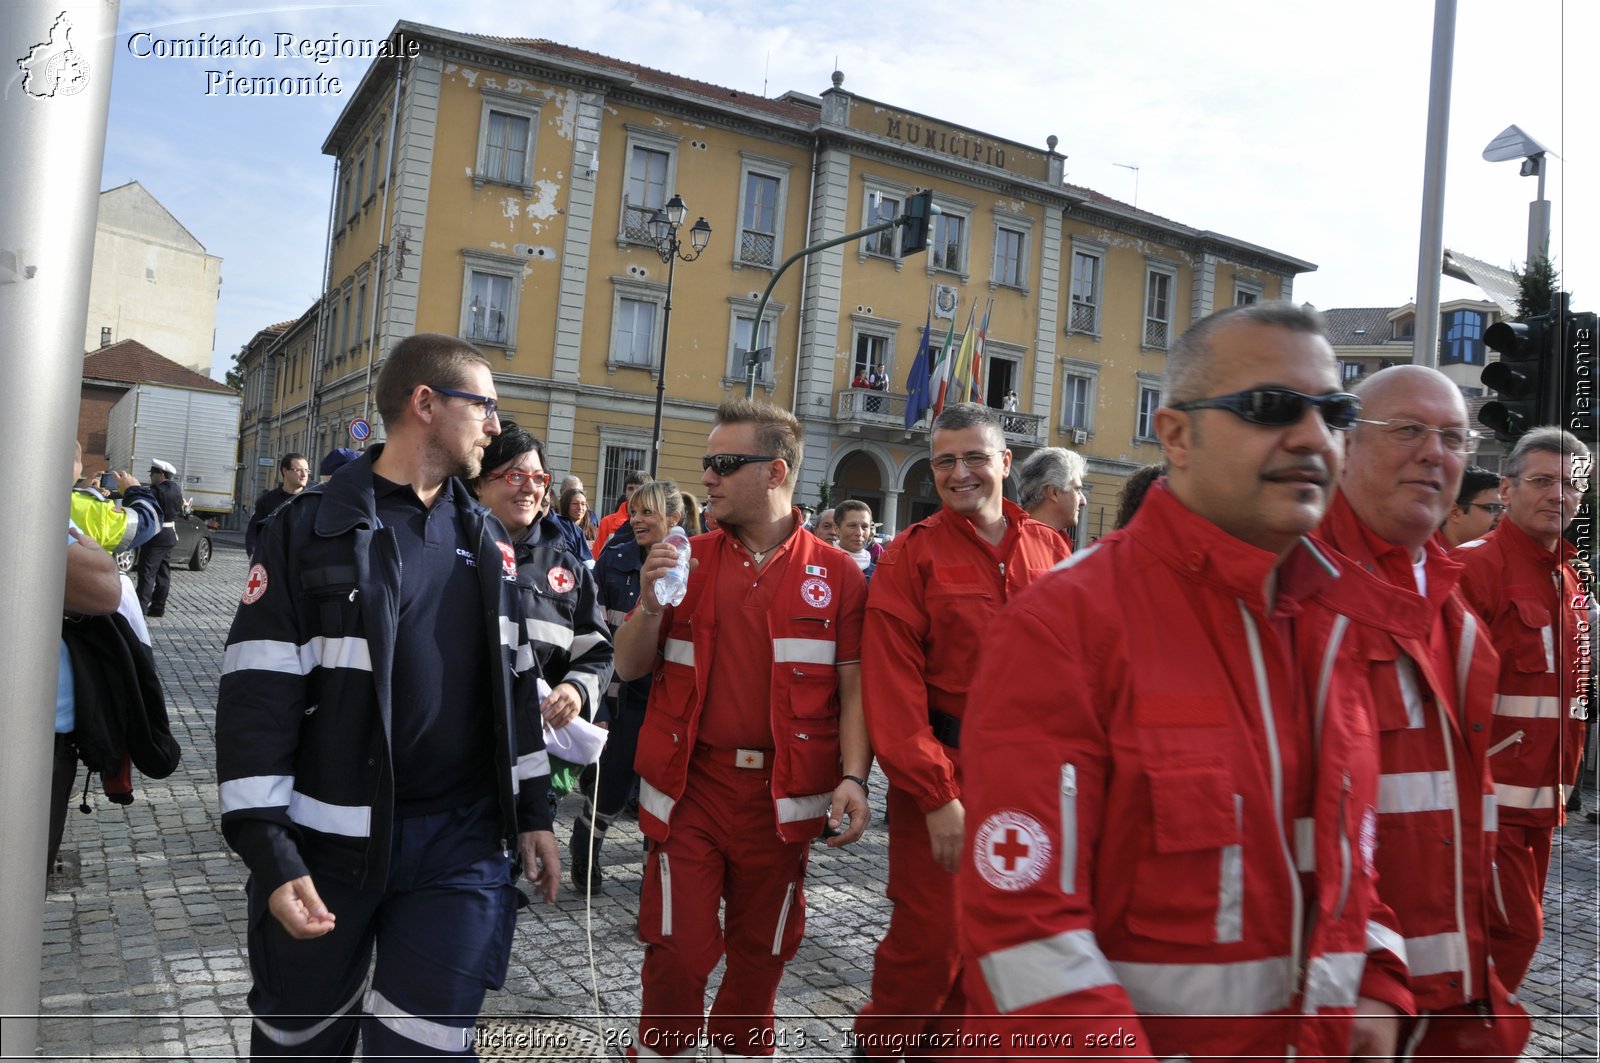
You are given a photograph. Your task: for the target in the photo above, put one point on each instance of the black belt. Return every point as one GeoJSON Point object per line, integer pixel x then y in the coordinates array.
{"type": "Point", "coordinates": [946, 728]}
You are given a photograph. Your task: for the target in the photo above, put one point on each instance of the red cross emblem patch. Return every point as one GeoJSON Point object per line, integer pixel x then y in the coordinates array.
{"type": "Point", "coordinates": [255, 585]}
{"type": "Point", "coordinates": [816, 593]}
{"type": "Point", "coordinates": [561, 579]}
{"type": "Point", "coordinates": [1011, 850]}
{"type": "Point", "coordinates": [508, 558]}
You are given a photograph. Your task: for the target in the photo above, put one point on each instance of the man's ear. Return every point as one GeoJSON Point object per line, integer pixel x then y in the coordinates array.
{"type": "Point", "coordinates": [422, 403]}
{"type": "Point", "coordinates": [1175, 430]}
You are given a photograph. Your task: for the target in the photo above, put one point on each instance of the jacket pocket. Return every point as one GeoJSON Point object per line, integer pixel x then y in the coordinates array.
{"type": "Point", "coordinates": [1532, 650]}
{"type": "Point", "coordinates": [1189, 888]}
{"type": "Point", "coordinates": [813, 691]}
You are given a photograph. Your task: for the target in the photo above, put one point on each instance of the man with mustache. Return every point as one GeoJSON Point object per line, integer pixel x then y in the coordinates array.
{"type": "Point", "coordinates": [1521, 581]}
{"type": "Point", "coordinates": [1433, 685]}
{"type": "Point", "coordinates": [378, 745]}
{"type": "Point", "coordinates": [1171, 786]}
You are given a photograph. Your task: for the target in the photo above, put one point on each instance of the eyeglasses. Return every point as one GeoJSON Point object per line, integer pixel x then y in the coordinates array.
{"type": "Point", "coordinates": [489, 405]}
{"type": "Point", "coordinates": [728, 464]}
{"type": "Point", "coordinates": [1495, 508]}
{"type": "Point", "coordinates": [1544, 483]}
{"type": "Point", "coordinates": [1411, 434]}
{"type": "Point", "coordinates": [516, 477]}
{"type": "Point", "coordinates": [1281, 407]}
{"type": "Point", "coordinates": [976, 459]}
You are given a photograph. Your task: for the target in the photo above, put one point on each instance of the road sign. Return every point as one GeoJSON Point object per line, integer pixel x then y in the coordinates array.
{"type": "Point", "coordinates": [360, 430]}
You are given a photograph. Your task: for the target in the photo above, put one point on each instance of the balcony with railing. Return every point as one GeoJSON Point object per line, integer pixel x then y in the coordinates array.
{"type": "Point", "coordinates": [865, 408]}
{"type": "Point", "coordinates": [756, 248]}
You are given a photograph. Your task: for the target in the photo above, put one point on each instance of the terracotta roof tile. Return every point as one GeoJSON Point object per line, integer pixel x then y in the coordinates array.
{"type": "Point", "coordinates": [131, 362]}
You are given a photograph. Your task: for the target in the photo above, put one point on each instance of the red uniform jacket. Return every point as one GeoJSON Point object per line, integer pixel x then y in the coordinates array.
{"type": "Point", "coordinates": [804, 700]}
{"type": "Point", "coordinates": [1538, 615]}
{"type": "Point", "coordinates": [1433, 684]}
{"type": "Point", "coordinates": [929, 607]}
{"type": "Point", "coordinates": [608, 525]}
{"type": "Point", "coordinates": [1171, 803]}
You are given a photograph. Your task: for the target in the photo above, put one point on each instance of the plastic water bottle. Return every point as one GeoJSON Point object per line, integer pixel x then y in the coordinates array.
{"type": "Point", "coordinates": [672, 586]}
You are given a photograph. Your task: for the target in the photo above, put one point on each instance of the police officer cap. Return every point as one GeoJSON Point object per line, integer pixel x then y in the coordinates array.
{"type": "Point", "coordinates": [337, 459]}
{"type": "Point", "coordinates": [157, 465]}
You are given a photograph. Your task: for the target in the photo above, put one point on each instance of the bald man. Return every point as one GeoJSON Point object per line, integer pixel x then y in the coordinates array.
{"type": "Point", "coordinates": [1433, 685]}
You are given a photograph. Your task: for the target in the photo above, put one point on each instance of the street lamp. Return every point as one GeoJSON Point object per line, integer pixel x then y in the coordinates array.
{"type": "Point", "coordinates": [664, 226]}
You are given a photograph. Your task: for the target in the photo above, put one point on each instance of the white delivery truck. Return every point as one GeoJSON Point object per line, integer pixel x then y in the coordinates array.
{"type": "Point", "coordinates": [197, 431]}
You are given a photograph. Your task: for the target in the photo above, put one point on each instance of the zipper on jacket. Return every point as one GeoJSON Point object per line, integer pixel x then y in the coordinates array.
{"type": "Point", "coordinates": [1345, 860]}
{"type": "Point", "coordinates": [1457, 845]}
{"type": "Point", "coordinates": [1499, 898]}
{"type": "Point", "coordinates": [1069, 829]}
{"type": "Point", "coordinates": [783, 920]}
{"type": "Point", "coordinates": [1509, 740]}
{"type": "Point", "coordinates": [666, 894]}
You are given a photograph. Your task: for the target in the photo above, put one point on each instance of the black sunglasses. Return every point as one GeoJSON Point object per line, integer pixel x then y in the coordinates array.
{"type": "Point", "coordinates": [728, 464]}
{"type": "Point", "coordinates": [1281, 407]}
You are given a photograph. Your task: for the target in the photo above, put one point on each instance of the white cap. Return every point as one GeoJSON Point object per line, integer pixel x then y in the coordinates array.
{"type": "Point", "coordinates": [163, 466]}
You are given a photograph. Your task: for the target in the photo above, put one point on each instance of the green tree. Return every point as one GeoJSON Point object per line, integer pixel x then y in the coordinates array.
{"type": "Point", "coordinates": [1536, 285]}
{"type": "Point", "coordinates": [235, 376]}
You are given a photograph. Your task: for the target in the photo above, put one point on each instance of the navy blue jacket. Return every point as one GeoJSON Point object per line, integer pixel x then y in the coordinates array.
{"type": "Point", "coordinates": [562, 613]}
{"type": "Point", "coordinates": [617, 574]}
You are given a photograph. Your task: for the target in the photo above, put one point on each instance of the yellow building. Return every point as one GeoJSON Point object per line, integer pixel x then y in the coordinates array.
{"type": "Point", "coordinates": [501, 190]}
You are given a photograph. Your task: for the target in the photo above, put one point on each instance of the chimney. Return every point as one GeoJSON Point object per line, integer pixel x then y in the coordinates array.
{"type": "Point", "coordinates": [105, 336]}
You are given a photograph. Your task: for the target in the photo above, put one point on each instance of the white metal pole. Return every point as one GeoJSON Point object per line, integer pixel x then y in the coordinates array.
{"type": "Point", "coordinates": [55, 89]}
{"type": "Point", "coordinates": [1430, 249]}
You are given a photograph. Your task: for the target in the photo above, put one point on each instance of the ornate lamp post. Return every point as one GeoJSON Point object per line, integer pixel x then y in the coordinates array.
{"type": "Point", "coordinates": [664, 226]}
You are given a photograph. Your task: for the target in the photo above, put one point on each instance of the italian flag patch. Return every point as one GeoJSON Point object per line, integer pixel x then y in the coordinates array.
{"type": "Point", "coordinates": [816, 570]}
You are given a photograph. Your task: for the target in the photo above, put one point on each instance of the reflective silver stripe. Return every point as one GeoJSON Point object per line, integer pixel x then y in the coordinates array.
{"type": "Point", "coordinates": [1305, 844]}
{"type": "Point", "coordinates": [170, 524]}
{"type": "Point", "coordinates": [426, 1032]}
{"type": "Point", "coordinates": [1230, 884]}
{"type": "Point", "coordinates": [1528, 706]}
{"type": "Point", "coordinates": [582, 644]}
{"type": "Point", "coordinates": [616, 618]}
{"type": "Point", "coordinates": [1077, 557]}
{"type": "Point", "coordinates": [1469, 640]}
{"type": "Point", "coordinates": [800, 809]}
{"type": "Point", "coordinates": [1333, 980]}
{"type": "Point", "coordinates": [1436, 954]}
{"type": "Point", "coordinates": [679, 651]}
{"type": "Point", "coordinates": [353, 821]}
{"type": "Point", "coordinates": [509, 635]}
{"type": "Point", "coordinates": [1547, 633]}
{"type": "Point", "coordinates": [551, 634]}
{"type": "Point", "coordinates": [1057, 966]}
{"type": "Point", "coordinates": [1511, 739]}
{"type": "Point", "coordinates": [803, 651]}
{"type": "Point", "coordinates": [666, 892]}
{"type": "Point", "coordinates": [1249, 987]}
{"type": "Point", "coordinates": [654, 801]}
{"type": "Point", "coordinates": [1417, 791]}
{"type": "Point", "coordinates": [531, 765]}
{"type": "Point", "coordinates": [1330, 658]}
{"type": "Point", "coordinates": [1381, 937]}
{"type": "Point", "coordinates": [265, 655]}
{"type": "Point", "coordinates": [1525, 796]}
{"type": "Point", "coordinates": [295, 1038]}
{"type": "Point", "coordinates": [1491, 812]}
{"type": "Point", "coordinates": [525, 659]}
{"type": "Point", "coordinates": [256, 791]}
{"type": "Point", "coordinates": [1405, 674]}
{"type": "Point", "coordinates": [587, 682]}
{"type": "Point", "coordinates": [783, 920]}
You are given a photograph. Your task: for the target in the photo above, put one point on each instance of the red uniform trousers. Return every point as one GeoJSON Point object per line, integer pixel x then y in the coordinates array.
{"type": "Point", "coordinates": [723, 847]}
{"type": "Point", "coordinates": [916, 971]}
{"type": "Point", "coordinates": [1522, 860]}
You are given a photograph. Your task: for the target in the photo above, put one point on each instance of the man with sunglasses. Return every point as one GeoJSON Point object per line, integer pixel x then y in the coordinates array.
{"type": "Point", "coordinates": [1477, 508]}
{"type": "Point", "coordinates": [1433, 677]}
{"type": "Point", "coordinates": [378, 746]}
{"type": "Point", "coordinates": [752, 745]}
{"type": "Point", "coordinates": [1170, 767]}
{"type": "Point", "coordinates": [933, 596]}
{"type": "Point", "coordinates": [1521, 581]}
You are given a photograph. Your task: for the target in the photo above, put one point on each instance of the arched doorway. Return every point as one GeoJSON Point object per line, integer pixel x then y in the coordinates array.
{"type": "Point", "coordinates": [858, 476]}
{"type": "Point", "coordinates": [918, 498]}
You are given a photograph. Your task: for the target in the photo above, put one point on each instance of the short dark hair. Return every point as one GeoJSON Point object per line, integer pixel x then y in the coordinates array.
{"type": "Point", "coordinates": [850, 505]}
{"type": "Point", "coordinates": [636, 478]}
{"type": "Point", "coordinates": [1189, 360]}
{"type": "Point", "coordinates": [778, 431]}
{"type": "Point", "coordinates": [512, 443]}
{"type": "Point", "coordinates": [1475, 479]}
{"type": "Point", "coordinates": [1131, 497]}
{"type": "Point", "coordinates": [430, 358]}
{"type": "Point", "coordinates": [289, 459]}
{"type": "Point", "coordinates": [959, 415]}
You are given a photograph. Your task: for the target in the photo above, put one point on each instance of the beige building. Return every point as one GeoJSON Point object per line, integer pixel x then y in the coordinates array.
{"type": "Point", "coordinates": [152, 281]}
{"type": "Point", "coordinates": [501, 190]}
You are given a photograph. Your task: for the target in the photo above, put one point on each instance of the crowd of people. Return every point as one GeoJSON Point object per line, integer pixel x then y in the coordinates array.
{"type": "Point", "coordinates": [1271, 770]}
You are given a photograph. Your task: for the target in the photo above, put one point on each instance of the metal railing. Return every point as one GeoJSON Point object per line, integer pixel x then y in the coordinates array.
{"type": "Point", "coordinates": [1155, 334]}
{"type": "Point", "coordinates": [1083, 317]}
{"type": "Point", "coordinates": [888, 409]}
{"type": "Point", "coordinates": [758, 249]}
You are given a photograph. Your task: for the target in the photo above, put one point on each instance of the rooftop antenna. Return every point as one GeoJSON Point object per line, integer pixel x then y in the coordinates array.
{"type": "Point", "coordinates": [767, 74]}
{"type": "Point", "coordinates": [1135, 168]}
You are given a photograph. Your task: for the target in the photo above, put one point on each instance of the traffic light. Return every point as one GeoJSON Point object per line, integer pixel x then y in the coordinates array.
{"type": "Point", "coordinates": [1577, 386]}
{"type": "Point", "coordinates": [915, 221]}
{"type": "Point", "coordinates": [1524, 377]}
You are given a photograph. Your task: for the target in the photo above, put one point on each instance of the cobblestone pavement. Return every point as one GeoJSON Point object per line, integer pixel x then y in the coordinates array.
{"type": "Point", "coordinates": [144, 930]}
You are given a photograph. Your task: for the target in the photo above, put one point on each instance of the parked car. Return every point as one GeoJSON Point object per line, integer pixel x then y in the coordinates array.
{"type": "Point", "coordinates": [194, 545]}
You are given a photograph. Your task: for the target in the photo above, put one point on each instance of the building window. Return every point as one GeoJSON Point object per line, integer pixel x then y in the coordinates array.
{"type": "Point", "coordinates": [1245, 293]}
{"type": "Point", "coordinates": [1010, 256]}
{"type": "Point", "coordinates": [617, 461]}
{"type": "Point", "coordinates": [377, 162]}
{"type": "Point", "coordinates": [361, 180]}
{"type": "Point", "coordinates": [1349, 372]}
{"type": "Point", "coordinates": [880, 206]}
{"type": "Point", "coordinates": [759, 216]}
{"type": "Point", "coordinates": [647, 185]}
{"type": "Point", "coordinates": [361, 313]}
{"type": "Point", "coordinates": [1085, 313]}
{"type": "Point", "coordinates": [870, 352]}
{"type": "Point", "coordinates": [490, 290]}
{"type": "Point", "coordinates": [1463, 339]}
{"type": "Point", "coordinates": [1149, 400]}
{"type": "Point", "coordinates": [1077, 401]}
{"type": "Point", "coordinates": [1157, 308]}
{"type": "Point", "coordinates": [344, 336]}
{"type": "Point", "coordinates": [739, 348]}
{"type": "Point", "coordinates": [633, 334]}
{"type": "Point", "coordinates": [333, 325]}
{"type": "Point", "coordinates": [947, 243]}
{"type": "Point", "coordinates": [506, 127]}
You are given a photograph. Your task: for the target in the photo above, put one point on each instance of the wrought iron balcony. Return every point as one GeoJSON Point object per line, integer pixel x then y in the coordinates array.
{"type": "Point", "coordinates": [864, 407]}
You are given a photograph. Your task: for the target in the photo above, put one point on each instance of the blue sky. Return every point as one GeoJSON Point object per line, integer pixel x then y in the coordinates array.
{"type": "Point", "coordinates": [1299, 125]}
